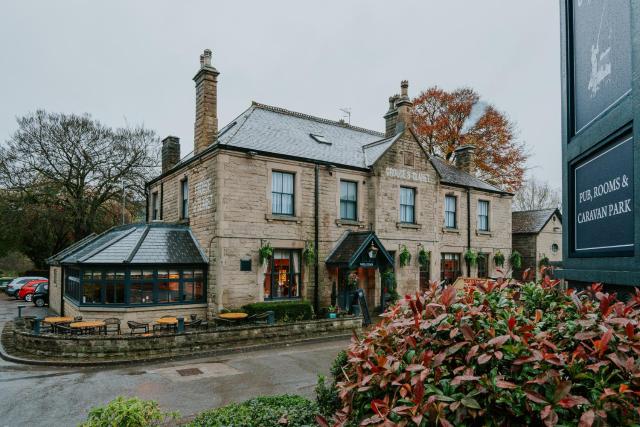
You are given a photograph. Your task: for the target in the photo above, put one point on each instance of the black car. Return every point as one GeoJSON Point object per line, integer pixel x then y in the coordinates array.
{"type": "Point", "coordinates": [41, 295]}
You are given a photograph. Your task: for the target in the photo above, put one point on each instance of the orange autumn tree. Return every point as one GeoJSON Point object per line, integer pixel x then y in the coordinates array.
{"type": "Point", "coordinates": [444, 121]}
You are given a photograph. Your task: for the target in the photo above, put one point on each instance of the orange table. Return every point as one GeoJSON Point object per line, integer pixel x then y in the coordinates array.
{"type": "Point", "coordinates": [167, 321]}
{"type": "Point", "coordinates": [54, 320]}
{"type": "Point", "coordinates": [233, 316]}
{"type": "Point", "coordinates": [92, 324]}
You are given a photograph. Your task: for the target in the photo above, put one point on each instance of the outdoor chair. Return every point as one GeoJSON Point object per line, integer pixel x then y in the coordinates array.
{"type": "Point", "coordinates": [112, 324]}
{"type": "Point", "coordinates": [259, 318]}
{"type": "Point", "coordinates": [193, 317]}
{"type": "Point", "coordinates": [219, 321]}
{"type": "Point", "coordinates": [135, 326]}
{"type": "Point", "coordinates": [194, 324]}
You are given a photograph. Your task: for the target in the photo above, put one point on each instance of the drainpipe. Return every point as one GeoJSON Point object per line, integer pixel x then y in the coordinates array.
{"type": "Point", "coordinates": [161, 198]}
{"type": "Point", "coordinates": [468, 228]}
{"type": "Point", "coordinates": [316, 290]}
{"type": "Point", "coordinates": [146, 196]}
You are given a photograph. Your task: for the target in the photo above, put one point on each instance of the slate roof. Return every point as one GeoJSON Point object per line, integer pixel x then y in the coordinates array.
{"type": "Point", "coordinates": [527, 222]}
{"type": "Point", "coordinates": [352, 245]}
{"type": "Point", "coordinates": [278, 131]}
{"type": "Point", "coordinates": [154, 243]}
{"type": "Point", "coordinates": [450, 174]}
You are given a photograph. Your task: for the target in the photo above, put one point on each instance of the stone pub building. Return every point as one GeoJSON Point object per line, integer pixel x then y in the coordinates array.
{"type": "Point", "coordinates": [276, 178]}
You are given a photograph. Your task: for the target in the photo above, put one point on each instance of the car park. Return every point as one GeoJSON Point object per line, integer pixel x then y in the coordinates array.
{"type": "Point", "coordinates": [26, 292]}
{"type": "Point", "coordinates": [16, 284]}
{"type": "Point", "coordinates": [4, 282]}
{"type": "Point", "coordinates": [40, 296]}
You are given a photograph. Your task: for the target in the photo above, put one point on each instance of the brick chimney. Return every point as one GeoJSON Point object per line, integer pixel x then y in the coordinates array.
{"type": "Point", "coordinates": [466, 158]}
{"type": "Point", "coordinates": [170, 152]}
{"type": "Point", "coordinates": [398, 117]}
{"type": "Point", "coordinates": [206, 124]}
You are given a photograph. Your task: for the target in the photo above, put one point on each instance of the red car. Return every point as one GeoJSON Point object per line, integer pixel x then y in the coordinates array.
{"type": "Point", "coordinates": [26, 292]}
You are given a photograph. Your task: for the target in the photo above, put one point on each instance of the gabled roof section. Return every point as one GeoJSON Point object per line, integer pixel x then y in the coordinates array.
{"type": "Point", "coordinates": [374, 150]}
{"type": "Point", "coordinates": [450, 174]}
{"type": "Point", "coordinates": [269, 129]}
{"type": "Point", "coordinates": [532, 222]}
{"type": "Point", "coordinates": [154, 243]}
{"type": "Point", "coordinates": [348, 250]}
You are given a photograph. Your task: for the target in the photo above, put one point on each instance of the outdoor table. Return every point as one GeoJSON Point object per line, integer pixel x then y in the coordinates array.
{"type": "Point", "coordinates": [233, 316]}
{"type": "Point", "coordinates": [99, 324]}
{"type": "Point", "coordinates": [167, 321]}
{"type": "Point", "coordinates": [54, 320]}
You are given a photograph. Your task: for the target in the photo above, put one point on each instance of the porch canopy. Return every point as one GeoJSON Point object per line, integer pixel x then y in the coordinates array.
{"type": "Point", "coordinates": [360, 249]}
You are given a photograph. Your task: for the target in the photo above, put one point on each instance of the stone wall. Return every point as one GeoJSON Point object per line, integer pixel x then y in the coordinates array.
{"type": "Point", "coordinates": [138, 346]}
{"type": "Point", "coordinates": [138, 314]}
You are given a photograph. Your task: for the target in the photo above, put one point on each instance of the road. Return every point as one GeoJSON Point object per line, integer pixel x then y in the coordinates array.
{"type": "Point", "coordinates": [53, 396]}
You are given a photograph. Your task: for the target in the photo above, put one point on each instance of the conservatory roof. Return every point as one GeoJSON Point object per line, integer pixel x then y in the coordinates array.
{"type": "Point", "coordinates": [154, 243]}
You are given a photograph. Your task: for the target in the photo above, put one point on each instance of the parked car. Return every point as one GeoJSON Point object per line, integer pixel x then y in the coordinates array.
{"type": "Point", "coordinates": [4, 282]}
{"type": "Point", "coordinates": [41, 295]}
{"type": "Point", "coordinates": [16, 284]}
{"type": "Point", "coordinates": [28, 289]}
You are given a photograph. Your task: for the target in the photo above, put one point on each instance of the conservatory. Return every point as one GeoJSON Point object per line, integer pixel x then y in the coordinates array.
{"type": "Point", "coordinates": [133, 272]}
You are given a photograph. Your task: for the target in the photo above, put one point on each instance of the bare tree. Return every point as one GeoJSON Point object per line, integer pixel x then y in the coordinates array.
{"type": "Point", "coordinates": [82, 161]}
{"type": "Point", "coordinates": [535, 194]}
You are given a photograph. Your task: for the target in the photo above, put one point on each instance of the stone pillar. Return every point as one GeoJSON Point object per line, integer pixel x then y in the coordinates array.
{"type": "Point", "coordinates": [465, 158]}
{"type": "Point", "coordinates": [170, 152]}
{"type": "Point", "coordinates": [206, 123]}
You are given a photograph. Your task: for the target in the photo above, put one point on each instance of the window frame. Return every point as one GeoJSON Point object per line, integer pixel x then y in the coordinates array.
{"type": "Point", "coordinates": [274, 274]}
{"type": "Point", "coordinates": [155, 206]}
{"type": "Point", "coordinates": [348, 202]}
{"type": "Point", "coordinates": [184, 198]}
{"type": "Point", "coordinates": [404, 207]}
{"type": "Point", "coordinates": [448, 213]}
{"type": "Point", "coordinates": [99, 276]}
{"type": "Point", "coordinates": [455, 256]}
{"type": "Point", "coordinates": [483, 259]}
{"type": "Point", "coordinates": [281, 193]}
{"type": "Point", "coordinates": [486, 217]}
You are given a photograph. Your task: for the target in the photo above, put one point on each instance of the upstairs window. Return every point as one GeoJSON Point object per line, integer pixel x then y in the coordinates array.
{"type": "Point", "coordinates": [407, 205]}
{"type": "Point", "coordinates": [483, 215]}
{"type": "Point", "coordinates": [155, 206]}
{"type": "Point", "coordinates": [282, 193]}
{"type": "Point", "coordinates": [348, 200]}
{"type": "Point", "coordinates": [450, 211]}
{"type": "Point", "coordinates": [184, 194]}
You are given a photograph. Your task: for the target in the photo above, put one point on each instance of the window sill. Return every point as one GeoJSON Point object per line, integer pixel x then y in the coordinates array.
{"type": "Point", "coordinates": [451, 230]}
{"type": "Point", "coordinates": [285, 218]}
{"type": "Point", "coordinates": [484, 233]}
{"type": "Point", "coordinates": [408, 225]}
{"type": "Point", "coordinates": [341, 222]}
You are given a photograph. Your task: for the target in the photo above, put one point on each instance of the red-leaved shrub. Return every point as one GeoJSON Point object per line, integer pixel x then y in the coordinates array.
{"type": "Point", "coordinates": [497, 354]}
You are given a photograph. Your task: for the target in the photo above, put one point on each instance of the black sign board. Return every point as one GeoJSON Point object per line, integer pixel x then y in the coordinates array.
{"type": "Point", "coordinates": [603, 220]}
{"type": "Point", "coordinates": [601, 57]}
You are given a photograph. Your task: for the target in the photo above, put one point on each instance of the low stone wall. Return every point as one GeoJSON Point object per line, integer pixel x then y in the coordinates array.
{"type": "Point", "coordinates": [166, 345]}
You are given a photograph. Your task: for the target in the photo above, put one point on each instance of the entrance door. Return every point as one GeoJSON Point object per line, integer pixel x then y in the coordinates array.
{"type": "Point", "coordinates": [370, 288]}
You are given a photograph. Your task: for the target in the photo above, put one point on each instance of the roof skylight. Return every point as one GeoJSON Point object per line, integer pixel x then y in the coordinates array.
{"type": "Point", "coordinates": [319, 138]}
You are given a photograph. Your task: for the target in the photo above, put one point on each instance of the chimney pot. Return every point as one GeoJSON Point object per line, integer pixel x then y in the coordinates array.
{"type": "Point", "coordinates": [404, 88]}
{"type": "Point", "coordinates": [207, 58]}
{"type": "Point", "coordinates": [201, 61]}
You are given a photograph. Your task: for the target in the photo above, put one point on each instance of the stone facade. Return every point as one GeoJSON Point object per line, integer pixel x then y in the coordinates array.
{"type": "Point", "coordinates": [539, 243]}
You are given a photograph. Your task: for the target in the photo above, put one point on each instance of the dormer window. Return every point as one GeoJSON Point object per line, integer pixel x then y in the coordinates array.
{"type": "Point", "coordinates": [319, 138]}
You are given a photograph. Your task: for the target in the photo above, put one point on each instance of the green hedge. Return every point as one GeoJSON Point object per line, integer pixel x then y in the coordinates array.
{"type": "Point", "coordinates": [261, 412]}
{"type": "Point", "coordinates": [286, 311]}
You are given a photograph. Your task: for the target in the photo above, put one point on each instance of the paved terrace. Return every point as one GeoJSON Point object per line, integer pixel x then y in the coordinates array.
{"type": "Point", "coordinates": [45, 396]}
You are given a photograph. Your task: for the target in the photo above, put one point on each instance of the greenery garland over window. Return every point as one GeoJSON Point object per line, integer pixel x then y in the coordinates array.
{"type": "Point", "coordinates": [498, 259]}
{"type": "Point", "coordinates": [471, 257]}
{"type": "Point", "coordinates": [309, 254]}
{"type": "Point", "coordinates": [424, 257]}
{"type": "Point", "coordinates": [516, 260]}
{"type": "Point", "coordinates": [405, 256]}
{"type": "Point", "coordinates": [265, 252]}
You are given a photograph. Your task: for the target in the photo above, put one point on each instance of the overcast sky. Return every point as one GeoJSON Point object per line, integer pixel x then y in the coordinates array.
{"type": "Point", "coordinates": [133, 61]}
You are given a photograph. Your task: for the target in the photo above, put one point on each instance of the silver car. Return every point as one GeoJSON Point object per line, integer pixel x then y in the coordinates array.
{"type": "Point", "coordinates": [19, 282]}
